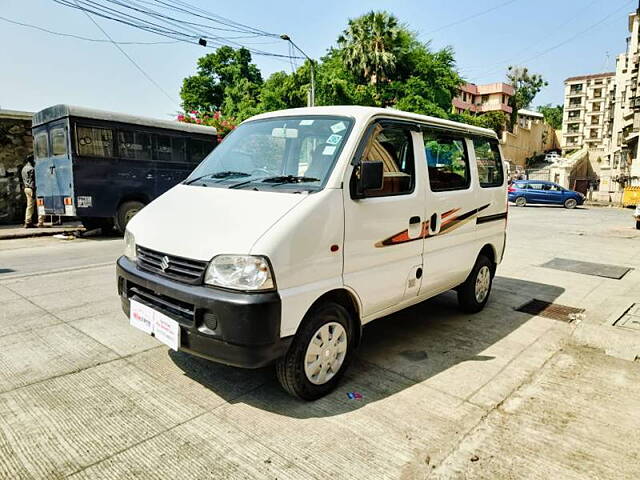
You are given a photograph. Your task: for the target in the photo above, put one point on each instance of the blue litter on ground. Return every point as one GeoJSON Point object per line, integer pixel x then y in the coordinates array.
{"type": "Point", "coordinates": [354, 396]}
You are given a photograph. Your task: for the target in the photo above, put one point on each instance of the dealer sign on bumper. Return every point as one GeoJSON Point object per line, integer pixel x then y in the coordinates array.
{"type": "Point", "coordinates": [155, 323]}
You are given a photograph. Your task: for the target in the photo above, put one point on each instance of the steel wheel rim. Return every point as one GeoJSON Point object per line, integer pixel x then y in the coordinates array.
{"type": "Point", "coordinates": [325, 353]}
{"type": "Point", "coordinates": [520, 202]}
{"type": "Point", "coordinates": [483, 282]}
{"type": "Point", "coordinates": [130, 214]}
{"type": "Point", "coordinates": [571, 203]}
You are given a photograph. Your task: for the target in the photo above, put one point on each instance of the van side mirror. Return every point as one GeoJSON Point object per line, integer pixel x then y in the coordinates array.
{"type": "Point", "coordinates": [371, 176]}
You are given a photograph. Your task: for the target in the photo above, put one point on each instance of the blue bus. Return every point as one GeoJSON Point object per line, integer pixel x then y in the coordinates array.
{"type": "Point", "coordinates": [104, 167]}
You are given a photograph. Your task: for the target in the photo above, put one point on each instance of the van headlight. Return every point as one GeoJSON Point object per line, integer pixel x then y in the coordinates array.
{"type": "Point", "coordinates": [130, 246]}
{"type": "Point", "coordinates": [240, 272]}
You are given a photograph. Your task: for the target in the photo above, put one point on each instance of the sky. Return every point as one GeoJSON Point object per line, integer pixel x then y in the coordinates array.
{"type": "Point", "coordinates": [555, 38]}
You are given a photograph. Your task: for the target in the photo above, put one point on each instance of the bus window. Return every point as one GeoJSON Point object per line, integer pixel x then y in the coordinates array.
{"type": "Point", "coordinates": [95, 142]}
{"type": "Point", "coordinates": [40, 145]}
{"type": "Point", "coordinates": [58, 142]}
{"type": "Point", "coordinates": [134, 145]}
{"type": "Point", "coordinates": [198, 150]}
{"type": "Point", "coordinates": [169, 149]}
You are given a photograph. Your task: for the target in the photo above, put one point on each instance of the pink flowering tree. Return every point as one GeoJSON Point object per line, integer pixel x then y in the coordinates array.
{"type": "Point", "coordinates": [222, 124]}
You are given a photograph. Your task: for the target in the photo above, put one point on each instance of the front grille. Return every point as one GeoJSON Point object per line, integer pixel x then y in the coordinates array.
{"type": "Point", "coordinates": [180, 311]}
{"type": "Point", "coordinates": [178, 268]}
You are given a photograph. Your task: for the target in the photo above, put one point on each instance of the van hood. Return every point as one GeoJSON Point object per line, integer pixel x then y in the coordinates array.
{"type": "Point", "coordinates": [202, 222]}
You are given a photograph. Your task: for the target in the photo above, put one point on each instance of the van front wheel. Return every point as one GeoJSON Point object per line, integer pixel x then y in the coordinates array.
{"type": "Point", "coordinates": [473, 294]}
{"type": "Point", "coordinates": [126, 212]}
{"type": "Point", "coordinates": [319, 354]}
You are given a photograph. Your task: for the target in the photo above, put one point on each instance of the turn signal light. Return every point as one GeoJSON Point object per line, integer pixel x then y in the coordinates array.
{"type": "Point", "coordinates": [40, 201]}
{"type": "Point", "coordinates": [68, 201]}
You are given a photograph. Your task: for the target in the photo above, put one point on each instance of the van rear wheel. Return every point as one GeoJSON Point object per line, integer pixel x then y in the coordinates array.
{"type": "Point", "coordinates": [473, 294]}
{"type": "Point", "coordinates": [126, 212]}
{"type": "Point", "coordinates": [319, 354]}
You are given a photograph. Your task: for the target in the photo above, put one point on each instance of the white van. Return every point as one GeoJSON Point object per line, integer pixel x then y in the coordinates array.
{"type": "Point", "coordinates": [303, 225]}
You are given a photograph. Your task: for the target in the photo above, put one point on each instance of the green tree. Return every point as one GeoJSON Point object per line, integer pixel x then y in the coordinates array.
{"type": "Point", "coordinates": [496, 121]}
{"type": "Point", "coordinates": [526, 85]}
{"type": "Point", "coordinates": [371, 46]}
{"type": "Point", "coordinates": [225, 80]}
{"type": "Point", "coordinates": [552, 115]}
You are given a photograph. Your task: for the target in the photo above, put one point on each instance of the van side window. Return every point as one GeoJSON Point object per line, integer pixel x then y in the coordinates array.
{"type": "Point", "coordinates": [94, 142]}
{"type": "Point", "coordinates": [134, 145]}
{"type": "Point", "coordinates": [392, 146]}
{"type": "Point", "coordinates": [58, 142]}
{"type": "Point", "coordinates": [489, 162]}
{"type": "Point", "coordinates": [198, 149]}
{"type": "Point", "coordinates": [447, 161]}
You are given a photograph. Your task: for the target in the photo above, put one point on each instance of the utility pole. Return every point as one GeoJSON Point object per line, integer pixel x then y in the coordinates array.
{"type": "Point", "coordinates": [312, 96]}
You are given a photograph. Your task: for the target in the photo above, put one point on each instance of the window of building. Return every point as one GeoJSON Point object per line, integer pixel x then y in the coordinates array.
{"type": "Point", "coordinates": [597, 93]}
{"type": "Point", "coordinates": [598, 82]}
{"type": "Point", "coordinates": [573, 127]}
{"type": "Point", "coordinates": [574, 114]}
{"type": "Point", "coordinates": [485, 98]}
{"type": "Point", "coordinates": [58, 141]}
{"type": "Point", "coordinates": [575, 102]}
{"type": "Point", "coordinates": [576, 88]}
{"type": "Point", "coordinates": [447, 161]}
{"type": "Point", "coordinates": [392, 146]}
{"type": "Point", "coordinates": [595, 120]}
{"type": "Point", "coordinates": [94, 142]}
{"type": "Point", "coordinates": [593, 134]}
{"type": "Point", "coordinates": [596, 106]}
{"type": "Point", "coordinates": [489, 162]}
{"type": "Point", "coordinates": [41, 145]}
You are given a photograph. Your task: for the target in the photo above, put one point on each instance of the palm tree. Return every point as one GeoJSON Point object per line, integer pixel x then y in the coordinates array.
{"type": "Point", "coordinates": [371, 45]}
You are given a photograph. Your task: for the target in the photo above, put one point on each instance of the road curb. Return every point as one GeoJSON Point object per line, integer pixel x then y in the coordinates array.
{"type": "Point", "coordinates": [29, 233]}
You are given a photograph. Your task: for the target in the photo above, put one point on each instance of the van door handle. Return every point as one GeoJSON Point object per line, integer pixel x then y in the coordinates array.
{"type": "Point", "coordinates": [414, 220]}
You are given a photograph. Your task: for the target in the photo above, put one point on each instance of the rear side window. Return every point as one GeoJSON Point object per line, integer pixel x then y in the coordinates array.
{"type": "Point", "coordinates": [41, 145]}
{"type": "Point", "coordinates": [94, 142]}
{"type": "Point", "coordinates": [58, 141]}
{"type": "Point", "coordinates": [521, 186]}
{"type": "Point", "coordinates": [535, 186]}
{"type": "Point", "coordinates": [489, 162]}
{"type": "Point", "coordinates": [447, 160]}
{"type": "Point", "coordinates": [392, 146]}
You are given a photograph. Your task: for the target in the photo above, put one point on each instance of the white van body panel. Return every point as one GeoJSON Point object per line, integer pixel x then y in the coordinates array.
{"type": "Point", "coordinates": [200, 223]}
{"type": "Point", "coordinates": [299, 247]}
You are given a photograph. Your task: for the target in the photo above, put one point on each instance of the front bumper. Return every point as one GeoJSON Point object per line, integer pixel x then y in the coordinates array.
{"type": "Point", "coordinates": [234, 328]}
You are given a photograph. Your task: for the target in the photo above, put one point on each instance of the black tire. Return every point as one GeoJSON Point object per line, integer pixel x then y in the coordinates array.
{"type": "Point", "coordinates": [467, 300]}
{"type": "Point", "coordinates": [91, 223]}
{"type": "Point", "coordinates": [521, 202]}
{"type": "Point", "coordinates": [570, 203]}
{"type": "Point", "coordinates": [126, 211]}
{"type": "Point", "coordinates": [290, 369]}
{"type": "Point", "coordinates": [637, 224]}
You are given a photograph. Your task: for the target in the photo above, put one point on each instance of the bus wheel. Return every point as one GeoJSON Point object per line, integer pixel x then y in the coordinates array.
{"type": "Point", "coordinates": [126, 212]}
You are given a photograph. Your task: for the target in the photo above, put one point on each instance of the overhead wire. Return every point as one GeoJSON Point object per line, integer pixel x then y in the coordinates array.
{"type": "Point", "coordinates": [140, 69]}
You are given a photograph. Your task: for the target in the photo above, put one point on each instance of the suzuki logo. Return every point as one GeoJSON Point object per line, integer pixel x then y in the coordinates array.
{"type": "Point", "coordinates": [164, 263]}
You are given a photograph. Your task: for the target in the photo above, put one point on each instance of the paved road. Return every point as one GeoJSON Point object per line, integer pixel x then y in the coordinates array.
{"type": "Point", "coordinates": [446, 395]}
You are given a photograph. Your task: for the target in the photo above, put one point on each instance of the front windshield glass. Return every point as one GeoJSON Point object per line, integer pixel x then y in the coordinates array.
{"type": "Point", "coordinates": [277, 153]}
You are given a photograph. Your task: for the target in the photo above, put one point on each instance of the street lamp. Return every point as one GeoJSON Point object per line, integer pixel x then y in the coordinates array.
{"type": "Point", "coordinates": [312, 96]}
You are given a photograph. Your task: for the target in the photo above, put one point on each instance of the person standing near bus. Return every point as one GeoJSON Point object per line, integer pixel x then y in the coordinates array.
{"type": "Point", "coordinates": [29, 181]}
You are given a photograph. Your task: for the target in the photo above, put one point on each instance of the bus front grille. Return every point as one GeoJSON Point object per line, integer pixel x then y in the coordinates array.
{"type": "Point", "coordinates": [171, 266]}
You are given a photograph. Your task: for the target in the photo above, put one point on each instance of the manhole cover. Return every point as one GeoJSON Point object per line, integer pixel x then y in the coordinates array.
{"type": "Point", "coordinates": [554, 311]}
{"type": "Point", "coordinates": [630, 318]}
{"type": "Point", "coordinates": [587, 268]}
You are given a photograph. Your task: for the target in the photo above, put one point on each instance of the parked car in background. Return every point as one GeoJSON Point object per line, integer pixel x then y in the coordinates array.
{"type": "Point", "coordinates": [636, 215]}
{"type": "Point", "coordinates": [522, 192]}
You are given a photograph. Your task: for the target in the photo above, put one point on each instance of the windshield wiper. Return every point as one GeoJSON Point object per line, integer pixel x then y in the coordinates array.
{"type": "Point", "coordinates": [282, 179]}
{"type": "Point", "coordinates": [221, 175]}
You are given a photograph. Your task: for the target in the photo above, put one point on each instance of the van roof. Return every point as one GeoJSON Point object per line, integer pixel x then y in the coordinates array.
{"type": "Point", "coordinates": [365, 113]}
{"type": "Point", "coordinates": [57, 112]}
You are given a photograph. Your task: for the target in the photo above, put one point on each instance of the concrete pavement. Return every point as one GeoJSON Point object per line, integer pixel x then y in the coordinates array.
{"type": "Point", "coordinates": [500, 394]}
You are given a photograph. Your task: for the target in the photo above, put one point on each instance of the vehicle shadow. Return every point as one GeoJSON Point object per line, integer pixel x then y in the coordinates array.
{"type": "Point", "coordinates": [396, 353]}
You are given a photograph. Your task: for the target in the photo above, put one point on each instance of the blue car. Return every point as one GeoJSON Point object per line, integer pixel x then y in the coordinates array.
{"type": "Point", "coordinates": [522, 192]}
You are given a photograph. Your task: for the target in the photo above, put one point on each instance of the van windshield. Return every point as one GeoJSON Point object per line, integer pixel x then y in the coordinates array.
{"type": "Point", "coordinates": [277, 153]}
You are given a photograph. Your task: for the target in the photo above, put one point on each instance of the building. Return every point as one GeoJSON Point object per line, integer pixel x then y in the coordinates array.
{"type": "Point", "coordinates": [621, 166]}
{"type": "Point", "coordinates": [15, 144]}
{"type": "Point", "coordinates": [531, 136]}
{"type": "Point", "coordinates": [478, 99]}
{"type": "Point", "coordinates": [587, 101]}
